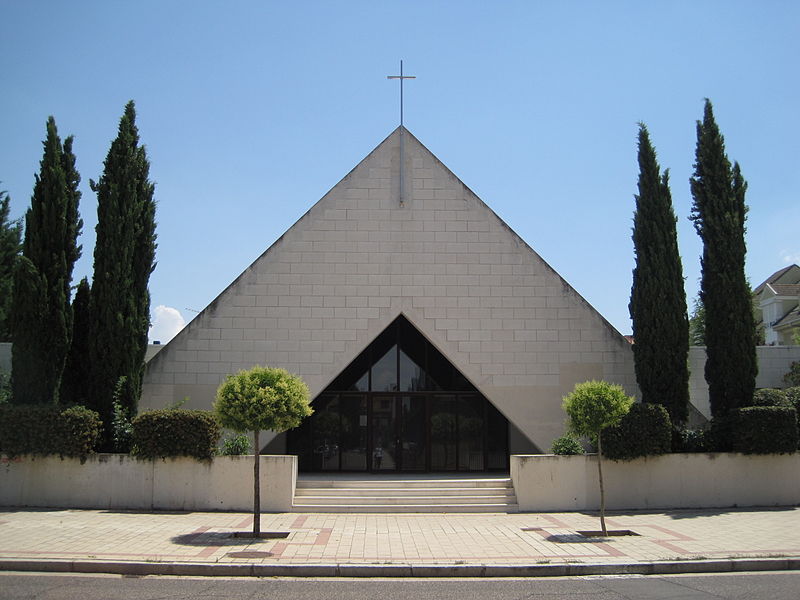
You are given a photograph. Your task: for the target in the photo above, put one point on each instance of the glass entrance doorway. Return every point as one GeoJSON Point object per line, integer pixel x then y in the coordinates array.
{"type": "Point", "coordinates": [399, 439]}
{"type": "Point", "coordinates": [401, 406]}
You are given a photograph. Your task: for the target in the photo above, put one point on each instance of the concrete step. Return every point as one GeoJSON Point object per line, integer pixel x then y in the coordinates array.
{"type": "Point", "coordinates": [406, 508]}
{"type": "Point", "coordinates": [415, 494]}
{"type": "Point", "coordinates": [401, 491]}
{"type": "Point", "coordinates": [406, 483]}
{"type": "Point", "coordinates": [409, 500]}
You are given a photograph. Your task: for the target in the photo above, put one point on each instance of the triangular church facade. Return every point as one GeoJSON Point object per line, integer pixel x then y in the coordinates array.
{"type": "Point", "coordinates": [401, 247]}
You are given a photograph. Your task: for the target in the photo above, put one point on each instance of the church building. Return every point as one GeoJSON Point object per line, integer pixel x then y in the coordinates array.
{"type": "Point", "coordinates": [431, 336]}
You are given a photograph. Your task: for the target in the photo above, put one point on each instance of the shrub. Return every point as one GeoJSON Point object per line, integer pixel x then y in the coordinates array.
{"type": "Point", "coordinates": [566, 445]}
{"type": "Point", "coordinates": [121, 429]}
{"type": "Point", "coordinates": [235, 445]}
{"type": "Point", "coordinates": [792, 378]}
{"type": "Point", "coordinates": [793, 396]}
{"type": "Point", "coordinates": [78, 430]}
{"type": "Point", "coordinates": [645, 431]}
{"type": "Point", "coordinates": [176, 432]}
{"type": "Point", "coordinates": [5, 387]}
{"type": "Point", "coordinates": [764, 430]}
{"type": "Point", "coordinates": [48, 429]}
{"type": "Point", "coordinates": [770, 397]}
{"type": "Point", "coordinates": [689, 440]}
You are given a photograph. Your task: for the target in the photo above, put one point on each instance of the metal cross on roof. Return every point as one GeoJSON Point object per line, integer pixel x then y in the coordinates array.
{"type": "Point", "coordinates": [401, 77]}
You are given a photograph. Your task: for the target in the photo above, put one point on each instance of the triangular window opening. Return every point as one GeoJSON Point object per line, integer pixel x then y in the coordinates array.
{"type": "Point", "coordinates": [401, 406]}
{"type": "Point", "coordinates": [400, 359]}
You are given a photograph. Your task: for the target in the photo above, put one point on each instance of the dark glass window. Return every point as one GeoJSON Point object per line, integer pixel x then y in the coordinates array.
{"type": "Point", "coordinates": [384, 372]}
{"type": "Point", "coordinates": [400, 359]}
{"type": "Point", "coordinates": [401, 405]}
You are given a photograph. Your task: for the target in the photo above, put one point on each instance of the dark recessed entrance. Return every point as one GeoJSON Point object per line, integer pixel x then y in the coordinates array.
{"type": "Point", "coordinates": [401, 406]}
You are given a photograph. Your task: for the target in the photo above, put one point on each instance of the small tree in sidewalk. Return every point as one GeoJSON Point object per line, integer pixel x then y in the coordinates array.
{"type": "Point", "coordinates": [261, 399]}
{"type": "Point", "coordinates": [591, 407]}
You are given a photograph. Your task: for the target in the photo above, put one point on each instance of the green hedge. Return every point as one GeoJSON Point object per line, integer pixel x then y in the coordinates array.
{"type": "Point", "coordinates": [175, 432]}
{"type": "Point", "coordinates": [567, 445]}
{"type": "Point", "coordinates": [764, 430]}
{"type": "Point", "coordinates": [48, 429]}
{"type": "Point", "coordinates": [689, 440]}
{"type": "Point", "coordinates": [644, 431]}
{"type": "Point", "coordinates": [770, 397]}
{"type": "Point", "coordinates": [793, 396]}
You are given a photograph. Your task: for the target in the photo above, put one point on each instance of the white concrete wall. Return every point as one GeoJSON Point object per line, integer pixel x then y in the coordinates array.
{"type": "Point", "coordinates": [564, 483]}
{"type": "Point", "coordinates": [773, 364]}
{"type": "Point", "coordinates": [116, 481]}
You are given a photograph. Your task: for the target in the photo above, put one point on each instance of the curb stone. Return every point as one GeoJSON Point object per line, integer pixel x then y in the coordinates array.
{"type": "Point", "coordinates": [399, 569]}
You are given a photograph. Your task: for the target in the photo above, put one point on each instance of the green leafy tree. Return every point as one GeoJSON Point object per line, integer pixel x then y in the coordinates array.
{"type": "Point", "coordinates": [719, 214]}
{"type": "Point", "coordinates": [658, 300]}
{"type": "Point", "coordinates": [42, 314]}
{"type": "Point", "coordinates": [124, 258]}
{"type": "Point", "coordinates": [697, 324]}
{"type": "Point", "coordinates": [261, 399]}
{"type": "Point", "coordinates": [75, 383]}
{"type": "Point", "coordinates": [10, 236]}
{"type": "Point", "coordinates": [792, 377]}
{"type": "Point", "coordinates": [591, 407]}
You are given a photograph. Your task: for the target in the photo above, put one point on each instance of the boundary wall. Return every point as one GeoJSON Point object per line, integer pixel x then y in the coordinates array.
{"type": "Point", "coordinates": [773, 363]}
{"type": "Point", "coordinates": [546, 482]}
{"type": "Point", "coordinates": [117, 481]}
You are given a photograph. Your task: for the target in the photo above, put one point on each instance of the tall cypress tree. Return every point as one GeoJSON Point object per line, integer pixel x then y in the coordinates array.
{"type": "Point", "coordinates": [75, 383]}
{"type": "Point", "coordinates": [10, 236]}
{"type": "Point", "coordinates": [124, 257]}
{"type": "Point", "coordinates": [42, 322]}
{"type": "Point", "coordinates": [719, 214]}
{"type": "Point", "coordinates": [658, 299]}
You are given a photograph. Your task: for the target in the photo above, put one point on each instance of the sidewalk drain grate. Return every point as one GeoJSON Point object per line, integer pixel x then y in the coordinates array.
{"type": "Point", "coordinates": [263, 535]}
{"type": "Point", "coordinates": [249, 554]}
{"type": "Point", "coordinates": [609, 533]}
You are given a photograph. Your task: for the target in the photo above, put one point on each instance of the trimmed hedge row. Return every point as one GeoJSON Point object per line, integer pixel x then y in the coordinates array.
{"type": "Point", "coordinates": [764, 430]}
{"type": "Point", "coordinates": [175, 432]}
{"type": "Point", "coordinates": [770, 397]}
{"type": "Point", "coordinates": [48, 429]}
{"type": "Point", "coordinates": [644, 431]}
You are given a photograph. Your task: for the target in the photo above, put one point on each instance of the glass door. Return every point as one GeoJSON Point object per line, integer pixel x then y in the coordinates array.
{"type": "Point", "coordinates": [413, 432]}
{"type": "Point", "coordinates": [384, 433]}
{"type": "Point", "coordinates": [353, 434]}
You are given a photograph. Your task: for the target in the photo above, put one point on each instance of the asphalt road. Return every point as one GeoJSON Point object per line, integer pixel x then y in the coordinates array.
{"type": "Point", "coordinates": [35, 586]}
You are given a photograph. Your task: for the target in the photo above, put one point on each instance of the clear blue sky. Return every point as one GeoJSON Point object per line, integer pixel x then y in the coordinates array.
{"type": "Point", "coordinates": [251, 111]}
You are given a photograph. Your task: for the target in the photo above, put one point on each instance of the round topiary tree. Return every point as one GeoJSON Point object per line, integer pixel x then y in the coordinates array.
{"type": "Point", "coordinates": [591, 407]}
{"type": "Point", "coordinates": [261, 399]}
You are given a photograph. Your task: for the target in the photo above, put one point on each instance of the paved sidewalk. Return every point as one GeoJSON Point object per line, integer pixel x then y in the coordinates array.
{"type": "Point", "coordinates": [398, 544]}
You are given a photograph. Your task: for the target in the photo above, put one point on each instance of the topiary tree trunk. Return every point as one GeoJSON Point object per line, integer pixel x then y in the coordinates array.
{"type": "Point", "coordinates": [591, 407]}
{"type": "Point", "coordinates": [262, 398]}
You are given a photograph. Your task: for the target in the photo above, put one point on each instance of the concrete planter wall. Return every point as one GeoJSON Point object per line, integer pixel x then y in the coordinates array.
{"type": "Point", "coordinates": [116, 481]}
{"type": "Point", "coordinates": [546, 482]}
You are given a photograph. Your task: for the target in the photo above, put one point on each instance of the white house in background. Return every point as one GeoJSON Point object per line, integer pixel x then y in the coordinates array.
{"type": "Point", "coordinates": [779, 303]}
